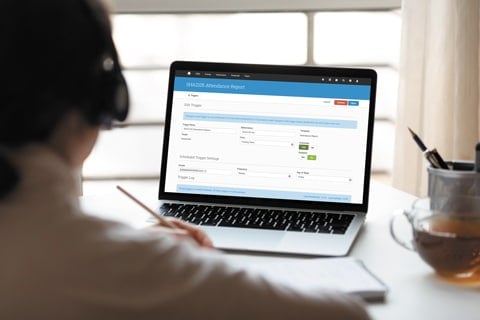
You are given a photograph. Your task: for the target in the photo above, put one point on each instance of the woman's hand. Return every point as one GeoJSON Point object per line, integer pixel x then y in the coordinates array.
{"type": "Point", "coordinates": [185, 230]}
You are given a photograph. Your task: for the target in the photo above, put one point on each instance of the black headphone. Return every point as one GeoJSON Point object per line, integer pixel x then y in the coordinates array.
{"type": "Point", "coordinates": [111, 100]}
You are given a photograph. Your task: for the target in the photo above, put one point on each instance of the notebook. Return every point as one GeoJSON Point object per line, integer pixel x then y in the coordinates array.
{"type": "Point", "coordinates": [346, 274]}
{"type": "Point", "coordinates": [269, 158]}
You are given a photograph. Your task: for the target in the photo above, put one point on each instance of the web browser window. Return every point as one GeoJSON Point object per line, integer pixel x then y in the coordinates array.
{"type": "Point", "coordinates": [268, 136]}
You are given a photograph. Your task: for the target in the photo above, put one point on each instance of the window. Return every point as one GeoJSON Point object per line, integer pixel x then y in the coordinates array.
{"type": "Point", "coordinates": [149, 42]}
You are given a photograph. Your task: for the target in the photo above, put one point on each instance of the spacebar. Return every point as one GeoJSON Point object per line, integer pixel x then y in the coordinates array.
{"type": "Point", "coordinates": [250, 225]}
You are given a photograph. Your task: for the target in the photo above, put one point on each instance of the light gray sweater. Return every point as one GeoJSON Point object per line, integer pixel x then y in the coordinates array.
{"type": "Point", "coordinates": [58, 263]}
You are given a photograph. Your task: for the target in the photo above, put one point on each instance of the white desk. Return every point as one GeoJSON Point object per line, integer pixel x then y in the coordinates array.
{"type": "Point", "coordinates": [415, 292]}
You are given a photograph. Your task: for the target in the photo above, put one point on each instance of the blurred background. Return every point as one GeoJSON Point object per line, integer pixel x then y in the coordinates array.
{"type": "Point", "coordinates": [151, 34]}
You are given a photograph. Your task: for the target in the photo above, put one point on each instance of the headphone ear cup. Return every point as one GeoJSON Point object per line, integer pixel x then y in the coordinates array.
{"type": "Point", "coordinates": [120, 98]}
{"type": "Point", "coordinates": [112, 102]}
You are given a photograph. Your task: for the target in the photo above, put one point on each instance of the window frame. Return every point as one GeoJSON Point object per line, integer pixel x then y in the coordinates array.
{"type": "Point", "coordinates": [210, 6]}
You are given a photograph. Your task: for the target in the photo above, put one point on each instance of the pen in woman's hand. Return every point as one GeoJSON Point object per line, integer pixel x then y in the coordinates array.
{"type": "Point", "coordinates": [161, 220]}
{"type": "Point", "coordinates": [179, 228]}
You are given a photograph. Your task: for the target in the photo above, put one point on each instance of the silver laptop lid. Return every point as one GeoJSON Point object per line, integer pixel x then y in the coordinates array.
{"type": "Point", "coordinates": [282, 136]}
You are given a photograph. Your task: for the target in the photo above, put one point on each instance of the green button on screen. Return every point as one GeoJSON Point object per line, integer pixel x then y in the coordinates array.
{"type": "Point", "coordinates": [311, 157]}
{"type": "Point", "coordinates": [303, 147]}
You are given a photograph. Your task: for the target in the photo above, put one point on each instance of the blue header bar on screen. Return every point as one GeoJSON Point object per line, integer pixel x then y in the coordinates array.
{"type": "Point", "coordinates": [273, 88]}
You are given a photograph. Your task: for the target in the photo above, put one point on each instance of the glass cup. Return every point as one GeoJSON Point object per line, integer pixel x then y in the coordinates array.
{"type": "Point", "coordinates": [446, 235]}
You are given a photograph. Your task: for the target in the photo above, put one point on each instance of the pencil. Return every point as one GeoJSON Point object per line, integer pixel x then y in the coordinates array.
{"type": "Point", "coordinates": [162, 221]}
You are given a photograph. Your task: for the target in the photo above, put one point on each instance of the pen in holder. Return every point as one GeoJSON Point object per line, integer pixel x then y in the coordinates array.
{"type": "Point", "coordinates": [433, 157]}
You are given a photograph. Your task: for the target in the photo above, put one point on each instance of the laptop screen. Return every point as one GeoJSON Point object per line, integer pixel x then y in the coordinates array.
{"type": "Point", "coordinates": [269, 132]}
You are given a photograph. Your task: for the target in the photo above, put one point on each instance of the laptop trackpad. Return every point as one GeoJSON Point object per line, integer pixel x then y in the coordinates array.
{"type": "Point", "coordinates": [244, 239]}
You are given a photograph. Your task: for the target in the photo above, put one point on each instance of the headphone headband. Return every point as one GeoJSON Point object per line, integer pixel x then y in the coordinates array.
{"type": "Point", "coordinates": [112, 98]}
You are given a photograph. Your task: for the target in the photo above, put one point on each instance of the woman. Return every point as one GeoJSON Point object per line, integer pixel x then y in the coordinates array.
{"type": "Point", "coordinates": [60, 84]}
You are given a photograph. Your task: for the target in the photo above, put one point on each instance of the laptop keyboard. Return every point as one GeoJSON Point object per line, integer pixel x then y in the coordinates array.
{"type": "Point", "coordinates": [289, 220]}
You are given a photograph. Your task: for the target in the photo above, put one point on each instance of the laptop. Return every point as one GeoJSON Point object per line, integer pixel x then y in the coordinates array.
{"type": "Point", "coordinates": [269, 158]}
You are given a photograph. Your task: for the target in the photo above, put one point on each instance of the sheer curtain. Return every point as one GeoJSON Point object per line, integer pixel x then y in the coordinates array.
{"type": "Point", "coordinates": [439, 86]}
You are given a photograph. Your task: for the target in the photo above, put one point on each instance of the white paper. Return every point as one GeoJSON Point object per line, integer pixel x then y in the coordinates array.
{"type": "Point", "coordinates": [345, 274]}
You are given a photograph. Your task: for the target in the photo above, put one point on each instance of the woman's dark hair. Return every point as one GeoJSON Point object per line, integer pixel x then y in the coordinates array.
{"type": "Point", "coordinates": [50, 50]}
{"type": "Point", "coordinates": [9, 177]}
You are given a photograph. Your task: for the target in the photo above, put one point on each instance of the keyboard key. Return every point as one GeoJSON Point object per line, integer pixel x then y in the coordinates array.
{"type": "Point", "coordinates": [295, 228]}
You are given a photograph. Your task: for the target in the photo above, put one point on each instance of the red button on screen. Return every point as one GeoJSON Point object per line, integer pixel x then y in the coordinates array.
{"type": "Point", "coordinates": [340, 102]}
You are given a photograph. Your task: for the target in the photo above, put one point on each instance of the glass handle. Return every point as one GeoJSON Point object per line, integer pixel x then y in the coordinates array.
{"type": "Point", "coordinates": [406, 244]}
